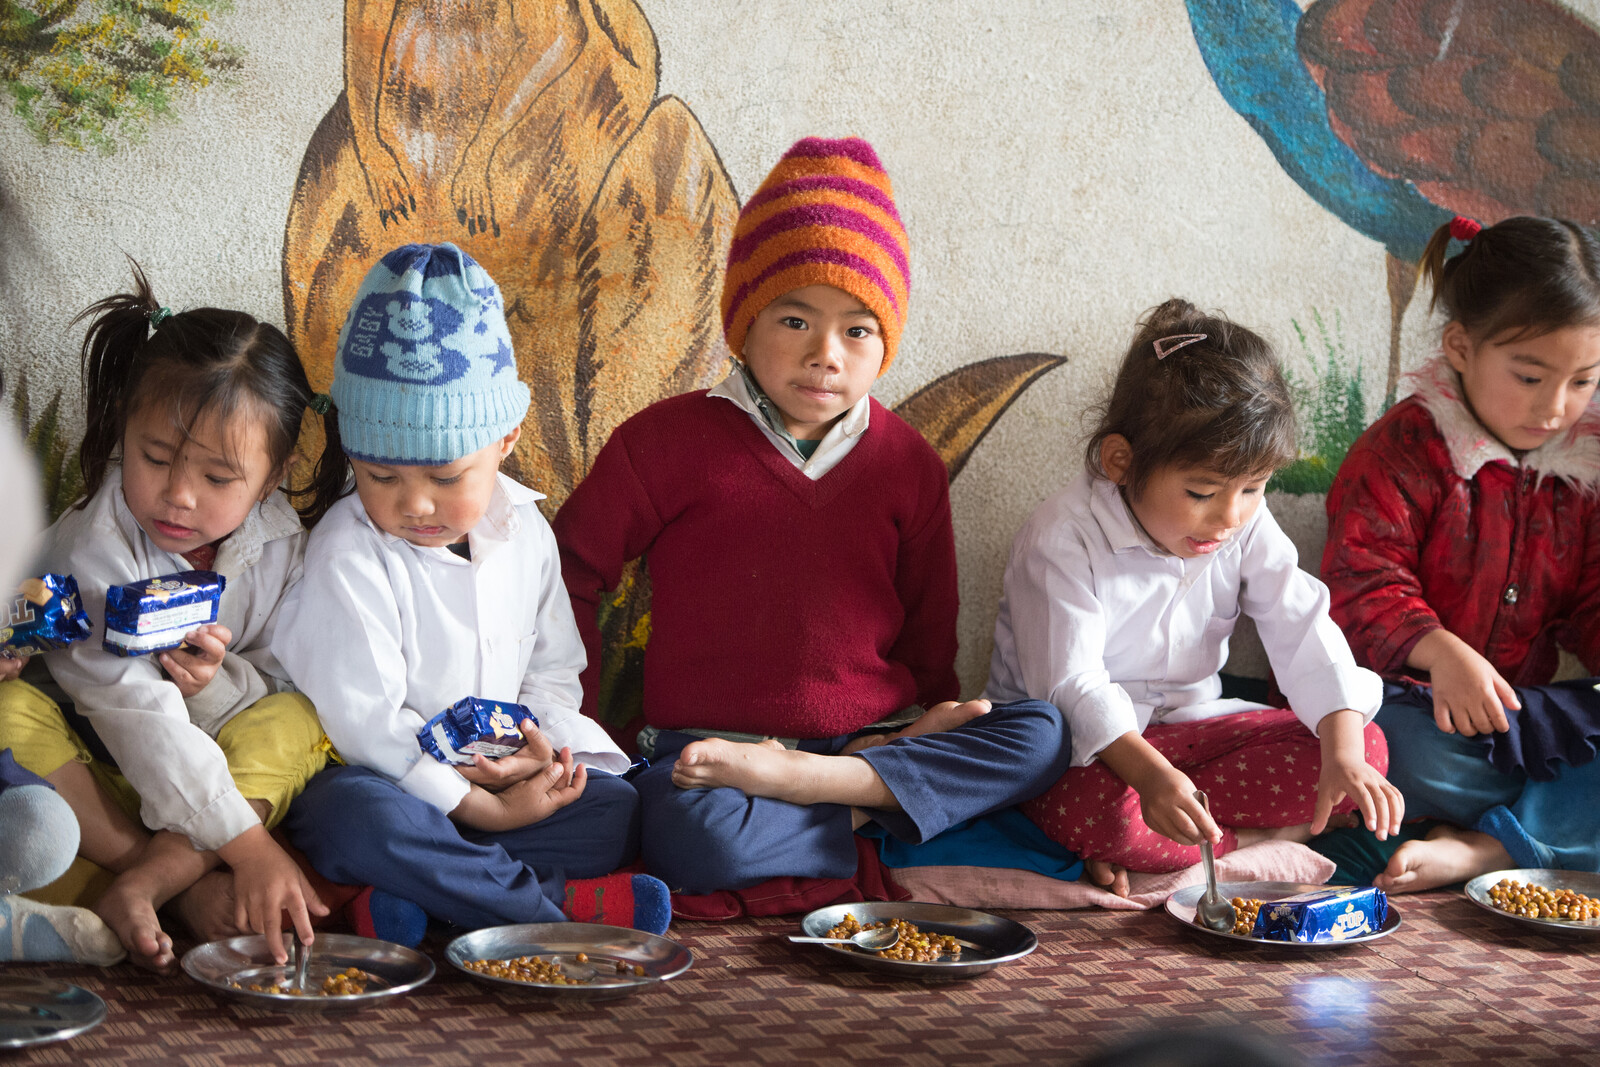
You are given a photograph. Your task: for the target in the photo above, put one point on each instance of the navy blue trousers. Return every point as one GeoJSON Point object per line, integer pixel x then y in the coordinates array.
{"type": "Point", "coordinates": [1552, 823]}
{"type": "Point", "coordinates": [360, 828]}
{"type": "Point", "coordinates": [702, 840]}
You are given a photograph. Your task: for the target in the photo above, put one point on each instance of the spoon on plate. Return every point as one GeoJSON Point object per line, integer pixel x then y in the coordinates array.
{"type": "Point", "coordinates": [1213, 912]}
{"type": "Point", "coordinates": [302, 963]}
{"type": "Point", "coordinates": [874, 940]}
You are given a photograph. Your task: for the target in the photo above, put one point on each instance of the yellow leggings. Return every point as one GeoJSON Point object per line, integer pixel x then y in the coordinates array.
{"type": "Point", "coordinates": [273, 747]}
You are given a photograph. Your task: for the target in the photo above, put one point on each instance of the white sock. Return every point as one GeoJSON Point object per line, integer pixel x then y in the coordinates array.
{"type": "Point", "coordinates": [33, 931]}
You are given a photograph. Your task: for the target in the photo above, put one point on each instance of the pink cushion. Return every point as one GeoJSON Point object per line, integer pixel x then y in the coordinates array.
{"type": "Point", "coordinates": [999, 887]}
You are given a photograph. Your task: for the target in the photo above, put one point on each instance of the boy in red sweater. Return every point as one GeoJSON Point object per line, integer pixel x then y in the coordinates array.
{"type": "Point", "coordinates": [802, 567]}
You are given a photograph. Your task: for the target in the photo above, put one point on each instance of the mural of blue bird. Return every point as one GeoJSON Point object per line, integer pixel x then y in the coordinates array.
{"type": "Point", "coordinates": [1395, 115]}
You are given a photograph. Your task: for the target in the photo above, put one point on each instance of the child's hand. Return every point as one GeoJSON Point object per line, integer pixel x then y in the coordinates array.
{"type": "Point", "coordinates": [526, 802]}
{"type": "Point", "coordinates": [507, 771]}
{"type": "Point", "coordinates": [266, 883]}
{"type": "Point", "coordinates": [1346, 773]}
{"type": "Point", "coordinates": [10, 668]}
{"type": "Point", "coordinates": [1170, 809]}
{"type": "Point", "coordinates": [1469, 695]}
{"type": "Point", "coordinates": [1166, 795]}
{"type": "Point", "coordinates": [192, 666]}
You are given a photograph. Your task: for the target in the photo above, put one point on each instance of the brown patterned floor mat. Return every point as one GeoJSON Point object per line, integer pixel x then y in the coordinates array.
{"type": "Point", "coordinates": [1454, 985]}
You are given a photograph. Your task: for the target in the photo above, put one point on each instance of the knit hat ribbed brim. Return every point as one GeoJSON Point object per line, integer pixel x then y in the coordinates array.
{"type": "Point", "coordinates": [425, 372]}
{"type": "Point", "coordinates": [824, 216]}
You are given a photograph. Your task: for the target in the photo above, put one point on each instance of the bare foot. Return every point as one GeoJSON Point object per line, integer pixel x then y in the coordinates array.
{"type": "Point", "coordinates": [767, 769]}
{"type": "Point", "coordinates": [1107, 876]}
{"type": "Point", "coordinates": [129, 909]}
{"type": "Point", "coordinates": [940, 717]}
{"type": "Point", "coordinates": [1446, 856]}
{"type": "Point", "coordinates": [757, 769]}
{"type": "Point", "coordinates": [1251, 836]}
{"type": "Point", "coordinates": [206, 907]}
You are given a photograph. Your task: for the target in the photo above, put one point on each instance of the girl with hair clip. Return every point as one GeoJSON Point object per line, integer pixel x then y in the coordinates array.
{"type": "Point", "coordinates": [192, 419]}
{"type": "Point", "coordinates": [1121, 593]}
{"type": "Point", "coordinates": [1464, 551]}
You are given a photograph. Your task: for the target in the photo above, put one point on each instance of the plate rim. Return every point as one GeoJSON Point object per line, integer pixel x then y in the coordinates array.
{"type": "Point", "coordinates": [579, 990]}
{"type": "Point", "coordinates": [360, 1000]}
{"type": "Point", "coordinates": [932, 968]}
{"type": "Point", "coordinates": [1391, 921]}
{"type": "Point", "coordinates": [67, 1035]}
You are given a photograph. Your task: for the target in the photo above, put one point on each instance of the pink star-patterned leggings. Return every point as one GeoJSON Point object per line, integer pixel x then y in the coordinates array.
{"type": "Point", "coordinates": [1259, 770]}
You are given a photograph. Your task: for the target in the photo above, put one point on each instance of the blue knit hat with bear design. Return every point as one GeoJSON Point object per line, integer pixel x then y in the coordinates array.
{"type": "Point", "coordinates": [425, 373]}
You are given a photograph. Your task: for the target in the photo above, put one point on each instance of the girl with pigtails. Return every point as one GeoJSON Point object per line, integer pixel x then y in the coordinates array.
{"type": "Point", "coordinates": [1122, 591]}
{"type": "Point", "coordinates": [1464, 552]}
{"type": "Point", "coordinates": [192, 419]}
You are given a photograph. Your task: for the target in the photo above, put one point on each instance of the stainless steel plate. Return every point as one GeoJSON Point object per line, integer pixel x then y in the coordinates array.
{"type": "Point", "coordinates": [395, 969]}
{"type": "Point", "coordinates": [661, 957]}
{"type": "Point", "coordinates": [1577, 881]}
{"type": "Point", "coordinates": [36, 1011]}
{"type": "Point", "coordinates": [1180, 906]}
{"type": "Point", "coordinates": [993, 940]}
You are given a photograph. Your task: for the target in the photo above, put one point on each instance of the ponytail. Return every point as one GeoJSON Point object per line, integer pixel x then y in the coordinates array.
{"type": "Point", "coordinates": [1526, 275]}
{"type": "Point", "coordinates": [120, 326]}
{"type": "Point", "coordinates": [330, 478]}
{"type": "Point", "coordinates": [208, 362]}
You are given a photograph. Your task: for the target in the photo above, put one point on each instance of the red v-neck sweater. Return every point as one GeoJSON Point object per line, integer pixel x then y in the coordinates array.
{"type": "Point", "coordinates": [779, 605]}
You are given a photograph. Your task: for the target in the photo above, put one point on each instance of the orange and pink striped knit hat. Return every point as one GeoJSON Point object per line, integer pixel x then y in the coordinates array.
{"type": "Point", "coordinates": [824, 216]}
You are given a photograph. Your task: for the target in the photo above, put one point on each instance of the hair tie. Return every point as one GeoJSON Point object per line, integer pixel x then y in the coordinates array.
{"type": "Point", "coordinates": [1165, 346]}
{"type": "Point", "coordinates": [158, 316]}
{"type": "Point", "coordinates": [320, 403]}
{"type": "Point", "coordinates": [1465, 229]}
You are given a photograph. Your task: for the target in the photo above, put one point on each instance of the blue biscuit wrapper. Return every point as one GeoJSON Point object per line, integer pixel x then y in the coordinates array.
{"type": "Point", "coordinates": [44, 615]}
{"type": "Point", "coordinates": [155, 614]}
{"type": "Point", "coordinates": [1325, 915]}
{"type": "Point", "coordinates": [472, 727]}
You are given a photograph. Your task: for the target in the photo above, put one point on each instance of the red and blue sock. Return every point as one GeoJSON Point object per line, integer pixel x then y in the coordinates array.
{"type": "Point", "coordinates": [622, 899]}
{"type": "Point", "coordinates": [375, 913]}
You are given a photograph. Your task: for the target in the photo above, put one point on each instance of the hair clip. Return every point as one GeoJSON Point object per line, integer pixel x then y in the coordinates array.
{"type": "Point", "coordinates": [320, 403]}
{"type": "Point", "coordinates": [158, 316]}
{"type": "Point", "coordinates": [1165, 346]}
{"type": "Point", "coordinates": [1465, 229]}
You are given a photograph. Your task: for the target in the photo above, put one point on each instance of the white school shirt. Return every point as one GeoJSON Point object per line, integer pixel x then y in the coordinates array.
{"type": "Point", "coordinates": [383, 635]}
{"type": "Point", "coordinates": [163, 744]}
{"type": "Point", "coordinates": [1118, 634]}
{"type": "Point", "coordinates": [835, 444]}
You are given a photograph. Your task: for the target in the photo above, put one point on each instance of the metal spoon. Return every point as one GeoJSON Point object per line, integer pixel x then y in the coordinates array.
{"type": "Point", "coordinates": [875, 940]}
{"type": "Point", "coordinates": [302, 964]}
{"type": "Point", "coordinates": [1212, 911]}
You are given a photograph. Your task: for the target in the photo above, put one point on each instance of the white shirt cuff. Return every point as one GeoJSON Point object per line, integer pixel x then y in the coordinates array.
{"type": "Point", "coordinates": [219, 822]}
{"type": "Point", "coordinates": [1097, 719]}
{"type": "Point", "coordinates": [1337, 687]}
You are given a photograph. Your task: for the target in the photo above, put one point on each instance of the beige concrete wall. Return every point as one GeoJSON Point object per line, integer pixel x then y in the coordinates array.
{"type": "Point", "coordinates": [1060, 166]}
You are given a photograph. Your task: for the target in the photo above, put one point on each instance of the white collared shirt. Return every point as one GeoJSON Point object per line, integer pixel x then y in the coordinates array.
{"type": "Point", "coordinates": [382, 635]}
{"type": "Point", "coordinates": [165, 745]}
{"type": "Point", "coordinates": [835, 444]}
{"type": "Point", "coordinates": [1119, 634]}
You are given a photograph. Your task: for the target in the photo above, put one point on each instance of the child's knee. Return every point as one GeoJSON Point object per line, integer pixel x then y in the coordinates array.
{"type": "Point", "coordinates": [274, 748]}
{"type": "Point", "coordinates": [38, 837]}
{"type": "Point", "coordinates": [34, 729]}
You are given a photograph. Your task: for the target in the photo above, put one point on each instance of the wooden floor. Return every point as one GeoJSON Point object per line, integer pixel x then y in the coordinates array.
{"type": "Point", "coordinates": [1453, 985]}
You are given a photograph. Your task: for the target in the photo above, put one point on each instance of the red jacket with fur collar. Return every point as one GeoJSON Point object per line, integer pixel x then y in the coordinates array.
{"type": "Point", "coordinates": [1433, 522]}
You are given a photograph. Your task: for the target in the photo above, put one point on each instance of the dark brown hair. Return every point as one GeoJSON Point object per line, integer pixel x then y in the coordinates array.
{"type": "Point", "coordinates": [1526, 275]}
{"type": "Point", "coordinates": [206, 361]}
{"type": "Point", "coordinates": [331, 479]}
{"type": "Point", "coordinates": [1220, 403]}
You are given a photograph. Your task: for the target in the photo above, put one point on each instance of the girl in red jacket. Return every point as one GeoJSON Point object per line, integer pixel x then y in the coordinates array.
{"type": "Point", "coordinates": [1464, 549]}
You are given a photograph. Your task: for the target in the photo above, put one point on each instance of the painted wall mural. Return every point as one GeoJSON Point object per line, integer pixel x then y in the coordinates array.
{"type": "Point", "coordinates": [531, 135]}
{"type": "Point", "coordinates": [1395, 115]}
{"type": "Point", "coordinates": [95, 73]}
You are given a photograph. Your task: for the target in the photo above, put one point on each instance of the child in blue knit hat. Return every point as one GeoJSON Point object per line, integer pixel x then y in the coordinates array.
{"type": "Point", "coordinates": [437, 580]}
